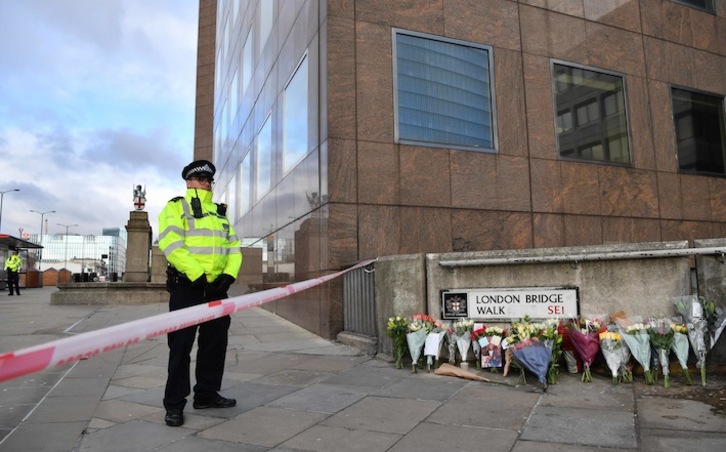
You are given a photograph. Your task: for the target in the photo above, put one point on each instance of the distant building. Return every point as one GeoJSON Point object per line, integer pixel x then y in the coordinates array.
{"type": "Point", "coordinates": [100, 254]}
{"type": "Point", "coordinates": [348, 130]}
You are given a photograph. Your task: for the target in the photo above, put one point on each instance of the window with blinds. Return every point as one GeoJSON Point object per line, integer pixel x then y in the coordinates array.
{"type": "Point", "coordinates": [443, 92]}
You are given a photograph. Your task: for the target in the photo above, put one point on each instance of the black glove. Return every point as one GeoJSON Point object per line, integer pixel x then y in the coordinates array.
{"type": "Point", "coordinates": [222, 283]}
{"type": "Point", "coordinates": [200, 282]}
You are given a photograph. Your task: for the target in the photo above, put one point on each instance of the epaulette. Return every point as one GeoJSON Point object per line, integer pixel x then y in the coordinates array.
{"type": "Point", "coordinates": [177, 198]}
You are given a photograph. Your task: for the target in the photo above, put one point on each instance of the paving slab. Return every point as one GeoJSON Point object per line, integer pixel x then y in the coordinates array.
{"type": "Point", "coordinates": [571, 391]}
{"type": "Point", "coordinates": [45, 437]}
{"type": "Point", "coordinates": [658, 440]}
{"type": "Point", "coordinates": [295, 377]}
{"type": "Point", "coordinates": [321, 397]}
{"type": "Point", "coordinates": [333, 364]}
{"type": "Point", "coordinates": [422, 387]}
{"type": "Point", "coordinates": [195, 444]}
{"type": "Point", "coordinates": [383, 414]}
{"type": "Point", "coordinates": [264, 426]}
{"type": "Point", "coordinates": [249, 396]}
{"type": "Point", "coordinates": [66, 409]}
{"type": "Point", "coordinates": [323, 438]}
{"type": "Point", "coordinates": [535, 446]}
{"type": "Point", "coordinates": [122, 411]}
{"type": "Point", "coordinates": [267, 363]}
{"type": "Point", "coordinates": [366, 377]}
{"type": "Point", "coordinates": [481, 404]}
{"type": "Point", "coordinates": [582, 426]}
{"type": "Point", "coordinates": [121, 437]}
{"type": "Point", "coordinates": [428, 437]}
{"type": "Point", "coordinates": [679, 414]}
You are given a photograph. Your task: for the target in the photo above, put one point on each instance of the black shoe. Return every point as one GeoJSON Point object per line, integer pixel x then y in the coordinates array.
{"type": "Point", "coordinates": [219, 402]}
{"type": "Point", "coordinates": [174, 418]}
{"type": "Point", "coordinates": [10, 295]}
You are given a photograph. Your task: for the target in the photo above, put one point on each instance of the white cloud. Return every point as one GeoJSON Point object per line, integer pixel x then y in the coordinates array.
{"type": "Point", "coordinates": [98, 96]}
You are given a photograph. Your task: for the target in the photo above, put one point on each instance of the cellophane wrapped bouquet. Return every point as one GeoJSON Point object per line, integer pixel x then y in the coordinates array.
{"type": "Point", "coordinates": [661, 339]}
{"type": "Point", "coordinates": [611, 345]}
{"type": "Point", "coordinates": [396, 329]}
{"type": "Point", "coordinates": [705, 322]}
{"type": "Point", "coordinates": [635, 334]}
{"type": "Point", "coordinates": [681, 348]}
{"type": "Point", "coordinates": [585, 337]}
{"type": "Point", "coordinates": [418, 328]}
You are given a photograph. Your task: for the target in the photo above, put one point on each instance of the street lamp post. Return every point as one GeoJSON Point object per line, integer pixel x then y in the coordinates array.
{"type": "Point", "coordinates": [40, 251]}
{"type": "Point", "coordinates": [2, 194]}
{"type": "Point", "coordinates": [66, 255]}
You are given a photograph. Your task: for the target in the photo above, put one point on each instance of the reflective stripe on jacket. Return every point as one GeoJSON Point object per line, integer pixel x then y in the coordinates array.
{"type": "Point", "coordinates": [196, 246]}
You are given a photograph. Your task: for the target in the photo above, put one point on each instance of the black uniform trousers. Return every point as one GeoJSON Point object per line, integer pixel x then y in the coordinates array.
{"type": "Point", "coordinates": [13, 281]}
{"type": "Point", "coordinates": [211, 351]}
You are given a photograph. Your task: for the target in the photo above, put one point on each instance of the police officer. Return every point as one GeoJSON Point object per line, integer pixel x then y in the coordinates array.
{"type": "Point", "coordinates": [204, 259]}
{"type": "Point", "coordinates": [12, 266]}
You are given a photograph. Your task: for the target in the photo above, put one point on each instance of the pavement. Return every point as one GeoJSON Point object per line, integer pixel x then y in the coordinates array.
{"type": "Point", "coordinates": [298, 392]}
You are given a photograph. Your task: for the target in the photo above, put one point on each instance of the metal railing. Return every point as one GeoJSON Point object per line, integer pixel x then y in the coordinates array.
{"type": "Point", "coordinates": [359, 301]}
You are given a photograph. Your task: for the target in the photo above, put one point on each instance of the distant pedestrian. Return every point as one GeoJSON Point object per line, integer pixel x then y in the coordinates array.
{"type": "Point", "coordinates": [204, 259]}
{"type": "Point", "coordinates": [12, 267]}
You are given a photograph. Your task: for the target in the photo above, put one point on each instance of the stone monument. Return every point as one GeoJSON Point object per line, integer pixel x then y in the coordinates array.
{"type": "Point", "coordinates": [138, 286]}
{"type": "Point", "coordinates": [139, 240]}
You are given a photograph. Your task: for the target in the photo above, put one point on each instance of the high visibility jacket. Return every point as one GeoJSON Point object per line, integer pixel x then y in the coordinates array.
{"type": "Point", "coordinates": [13, 263]}
{"type": "Point", "coordinates": [196, 246]}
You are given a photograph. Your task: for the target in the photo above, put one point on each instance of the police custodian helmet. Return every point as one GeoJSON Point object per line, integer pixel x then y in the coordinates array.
{"type": "Point", "coordinates": [199, 168]}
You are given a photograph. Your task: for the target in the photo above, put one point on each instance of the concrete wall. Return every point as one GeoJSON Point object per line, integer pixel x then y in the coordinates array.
{"type": "Point", "coordinates": [400, 290]}
{"type": "Point", "coordinates": [110, 293]}
{"type": "Point", "coordinates": [411, 284]}
{"type": "Point", "coordinates": [711, 271]}
{"type": "Point", "coordinates": [641, 287]}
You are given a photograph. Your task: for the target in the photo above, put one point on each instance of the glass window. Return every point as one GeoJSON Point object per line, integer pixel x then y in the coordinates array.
{"type": "Point", "coordinates": [443, 92]}
{"type": "Point", "coordinates": [263, 165]}
{"type": "Point", "coordinates": [247, 63]}
{"type": "Point", "coordinates": [706, 5]}
{"type": "Point", "coordinates": [231, 199]}
{"type": "Point", "coordinates": [295, 118]}
{"type": "Point", "coordinates": [234, 92]}
{"type": "Point", "coordinates": [699, 125]}
{"type": "Point", "coordinates": [243, 193]}
{"type": "Point", "coordinates": [266, 8]}
{"type": "Point", "coordinates": [600, 127]}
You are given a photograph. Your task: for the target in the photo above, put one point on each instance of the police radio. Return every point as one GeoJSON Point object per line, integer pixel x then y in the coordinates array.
{"type": "Point", "coordinates": [197, 206]}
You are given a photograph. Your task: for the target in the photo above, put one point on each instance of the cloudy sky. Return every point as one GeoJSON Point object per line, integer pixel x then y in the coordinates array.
{"type": "Point", "coordinates": [96, 96]}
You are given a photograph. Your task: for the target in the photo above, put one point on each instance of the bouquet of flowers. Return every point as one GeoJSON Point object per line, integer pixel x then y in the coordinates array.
{"type": "Point", "coordinates": [519, 331]}
{"type": "Point", "coordinates": [705, 322]}
{"type": "Point", "coordinates": [434, 341]}
{"type": "Point", "coordinates": [568, 350]}
{"type": "Point", "coordinates": [396, 329]}
{"type": "Point", "coordinates": [585, 339]}
{"type": "Point", "coordinates": [462, 331]}
{"type": "Point", "coordinates": [636, 337]}
{"type": "Point", "coordinates": [476, 335]}
{"type": "Point", "coordinates": [680, 348]}
{"type": "Point", "coordinates": [534, 355]}
{"type": "Point", "coordinates": [548, 333]}
{"type": "Point", "coordinates": [418, 328]}
{"type": "Point", "coordinates": [611, 345]}
{"type": "Point", "coordinates": [661, 338]}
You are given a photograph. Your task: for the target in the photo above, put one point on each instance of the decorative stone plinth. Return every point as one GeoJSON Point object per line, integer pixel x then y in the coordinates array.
{"type": "Point", "coordinates": [138, 247]}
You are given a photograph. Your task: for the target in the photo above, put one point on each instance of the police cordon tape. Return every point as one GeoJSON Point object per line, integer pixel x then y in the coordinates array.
{"type": "Point", "coordinates": [71, 349]}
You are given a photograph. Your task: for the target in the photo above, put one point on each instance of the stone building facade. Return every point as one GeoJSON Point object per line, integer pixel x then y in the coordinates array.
{"type": "Point", "coordinates": [345, 130]}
